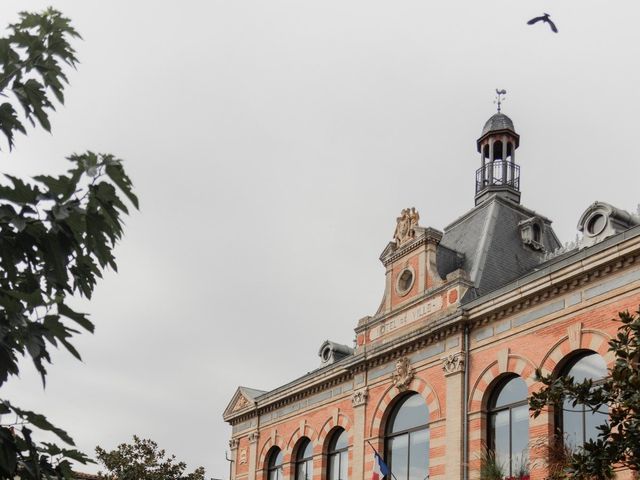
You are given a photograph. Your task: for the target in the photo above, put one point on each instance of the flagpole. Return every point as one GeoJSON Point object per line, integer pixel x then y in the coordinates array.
{"type": "Point", "coordinates": [376, 452]}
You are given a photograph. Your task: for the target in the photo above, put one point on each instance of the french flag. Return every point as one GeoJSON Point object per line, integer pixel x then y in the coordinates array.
{"type": "Point", "coordinates": [380, 469]}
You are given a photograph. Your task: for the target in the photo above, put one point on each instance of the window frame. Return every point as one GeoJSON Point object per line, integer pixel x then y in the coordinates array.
{"type": "Point", "coordinates": [492, 411]}
{"type": "Point", "coordinates": [272, 467]}
{"type": "Point", "coordinates": [388, 436]}
{"type": "Point", "coordinates": [332, 451]}
{"type": "Point", "coordinates": [302, 460]}
{"type": "Point", "coordinates": [564, 370]}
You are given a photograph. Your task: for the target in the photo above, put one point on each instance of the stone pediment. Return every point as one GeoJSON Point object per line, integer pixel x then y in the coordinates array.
{"type": "Point", "coordinates": [243, 400]}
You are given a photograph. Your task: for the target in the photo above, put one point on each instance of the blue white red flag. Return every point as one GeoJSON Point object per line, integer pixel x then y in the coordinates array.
{"type": "Point", "coordinates": [380, 469]}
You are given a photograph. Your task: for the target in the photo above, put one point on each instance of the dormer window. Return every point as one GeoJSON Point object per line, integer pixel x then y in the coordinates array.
{"type": "Point", "coordinates": [532, 232]}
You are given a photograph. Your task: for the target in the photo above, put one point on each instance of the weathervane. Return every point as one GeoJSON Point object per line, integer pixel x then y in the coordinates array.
{"type": "Point", "coordinates": [499, 98]}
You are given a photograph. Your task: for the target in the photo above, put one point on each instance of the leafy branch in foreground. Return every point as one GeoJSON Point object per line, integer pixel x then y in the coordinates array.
{"type": "Point", "coordinates": [32, 58]}
{"type": "Point", "coordinates": [618, 443]}
{"type": "Point", "coordinates": [56, 238]}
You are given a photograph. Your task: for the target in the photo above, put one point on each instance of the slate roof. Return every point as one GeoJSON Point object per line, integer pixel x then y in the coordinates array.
{"type": "Point", "coordinates": [499, 121]}
{"type": "Point", "coordinates": [488, 237]}
{"type": "Point", "coordinates": [251, 393]}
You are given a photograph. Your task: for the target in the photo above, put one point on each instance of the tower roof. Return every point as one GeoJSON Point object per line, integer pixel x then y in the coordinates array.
{"type": "Point", "coordinates": [497, 122]}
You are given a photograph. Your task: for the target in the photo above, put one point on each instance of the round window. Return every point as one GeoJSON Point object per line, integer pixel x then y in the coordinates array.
{"type": "Point", "coordinates": [405, 281]}
{"type": "Point", "coordinates": [596, 224]}
{"type": "Point", "coordinates": [326, 354]}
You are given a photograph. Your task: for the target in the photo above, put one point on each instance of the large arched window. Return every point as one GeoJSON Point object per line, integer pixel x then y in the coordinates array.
{"type": "Point", "coordinates": [338, 456]}
{"type": "Point", "coordinates": [274, 467]}
{"type": "Point", "coordinates": [408, 439]}
{"type": "Point", "coordinates": [579, 423]}
{"type": "Point", "coordinates": [304, 460]}
{"type": "Point", "coordinates": [509, 427]}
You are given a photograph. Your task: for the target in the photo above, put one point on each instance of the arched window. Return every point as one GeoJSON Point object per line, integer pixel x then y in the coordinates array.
{"type": "Point", "coordinates": [304, 460]}
{"type": "Point", "coordinates": [338, 456]}
{"type": "Point", "coordinates": [408, 439]}
{"type": "Point", "coordinates": [274, 467]}
{"type": "Point", "coordinates": [509, 427]}
{"type": "Point", "coordinates": [578, 423]}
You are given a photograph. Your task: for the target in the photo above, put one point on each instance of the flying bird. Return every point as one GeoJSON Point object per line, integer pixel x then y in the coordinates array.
{"type": "Point", "coordinates": [544, 18]}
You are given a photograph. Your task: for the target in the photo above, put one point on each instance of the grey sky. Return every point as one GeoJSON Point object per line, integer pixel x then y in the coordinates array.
{"type": "Point", "coordinates": [272, 145]}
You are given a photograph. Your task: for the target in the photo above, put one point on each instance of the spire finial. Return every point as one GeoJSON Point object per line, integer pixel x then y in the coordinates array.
{"type": "Point", "coordinates": [499, 99]}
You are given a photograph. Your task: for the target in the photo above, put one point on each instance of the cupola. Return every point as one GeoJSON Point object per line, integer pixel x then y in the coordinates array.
{"type": "Point", "coordinates": [497, 144]}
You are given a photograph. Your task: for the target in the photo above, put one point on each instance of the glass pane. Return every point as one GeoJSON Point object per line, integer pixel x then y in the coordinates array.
{"type": "Point", "coordinates": [419, 455]}
{"type": "Point", "coordinates": [340, 440]}
{"type": "Point", "coordinates": [344, 465]}
{"type": "Point", "coordinates": [500, 438]}
{"type": "Point", "coordinates": [412, 412]}
{"type": "Point", "coordinates": [515, 390]}
{"type": "Point", "coordinates": [300, 471]}
{"type": "Point", "coordinates": [592, 420]}
{"type": "Point", "coordinates": [276, 459]}
{"type": "Point", "coordinates": [399, 456]}
{"type": "Point", "coordinates": [572, 424]}
{"type": "Point", "coordinates": [334, 466]}
{"type": "Point", "coordinates": [305, 450]}
{"type": "Point", "coordinates": [308, 468]}
{"type": "Point", "coordinates": [590, 366]}
{"type": "Point", "coordinates": [520, 441]}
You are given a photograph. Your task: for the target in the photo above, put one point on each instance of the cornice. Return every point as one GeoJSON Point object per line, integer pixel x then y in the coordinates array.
{"type": "Point", "coordinates": [429, 236]}
{"type": "Point", "coordinates": [572, 277]}
{"type": "Point", "coordinates": [379, 355]}
{"type": "Point", "coordinates": [371, 322]}
{"type": "Point", "coordinates": [528, 291]}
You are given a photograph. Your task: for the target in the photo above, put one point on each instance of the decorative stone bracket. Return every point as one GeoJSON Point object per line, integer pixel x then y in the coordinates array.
{"type": "Point", "coordinates": [233, 443]}
{"type": "Point", "coordinates": [453, 363]}
{"type": "Point", "coordinates": [359, 397]}
{"type": "Point", "coordinates": [253, 437]}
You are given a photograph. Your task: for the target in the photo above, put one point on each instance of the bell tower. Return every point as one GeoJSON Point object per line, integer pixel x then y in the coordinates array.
{"type": "Point", "coordinates": [499, 174]}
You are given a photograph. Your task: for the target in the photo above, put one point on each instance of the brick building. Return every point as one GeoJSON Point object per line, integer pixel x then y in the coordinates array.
{"type": "Point", "coordinates": [444, 367]}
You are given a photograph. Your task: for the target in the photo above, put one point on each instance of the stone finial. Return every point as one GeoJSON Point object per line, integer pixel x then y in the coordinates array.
{"type": "Point", "coordinates": [405, 227]}
{"type": "Point", "coordinates": [403, 375]}
{"type": "Point", "coordinates": [453, 363]}
{"type": "Point", "coordinates": [359, 397]}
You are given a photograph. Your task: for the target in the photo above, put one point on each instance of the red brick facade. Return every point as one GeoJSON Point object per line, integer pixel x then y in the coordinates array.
{"type": "Point", "coordinates": [538, 320]}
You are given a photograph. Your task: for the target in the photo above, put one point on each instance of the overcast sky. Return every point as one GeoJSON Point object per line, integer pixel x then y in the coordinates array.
{"type": "Point", "coordinates": [272, 144]}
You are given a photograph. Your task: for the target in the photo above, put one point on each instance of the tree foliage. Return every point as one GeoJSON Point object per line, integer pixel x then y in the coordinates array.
{"type": "Point", "coordinates": [57, 234]}
{"type": "Point", "coordinates": [142, 460]}
{"type": "Point", "coordinates": [618, 442]}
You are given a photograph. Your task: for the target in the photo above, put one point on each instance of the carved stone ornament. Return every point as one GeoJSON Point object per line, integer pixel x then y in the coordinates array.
{"type": "Point", "coordinates": [233, 443]}
{"type": "Point", "coordinates": [243, 456]}
{"type": "Point", "coordinates": [253, 437]}
{"type": "Point", "coordinates": [359, 397]}
{"type": "Point", "coordinates": [453, 363]}
{"type": "Point", "coordinates": [403, 375]}
{"type": "Point", "coordinates": [240, 404]}
{"type": "Point", "coordinates": [405, 228]}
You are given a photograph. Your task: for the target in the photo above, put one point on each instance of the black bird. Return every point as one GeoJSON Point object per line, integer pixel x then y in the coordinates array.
{"type": "Point", "coordinates": [544, 18]}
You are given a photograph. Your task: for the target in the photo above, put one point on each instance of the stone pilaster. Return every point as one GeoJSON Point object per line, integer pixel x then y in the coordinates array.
{"type": "Point", "coordinates": [453, 366]}
{"type": "Point", "coordinates": [233, 445]}
{"type": "Point", "coordinates": [253, 454]}
{"type": "Point", "coordinates": [359, 402]}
